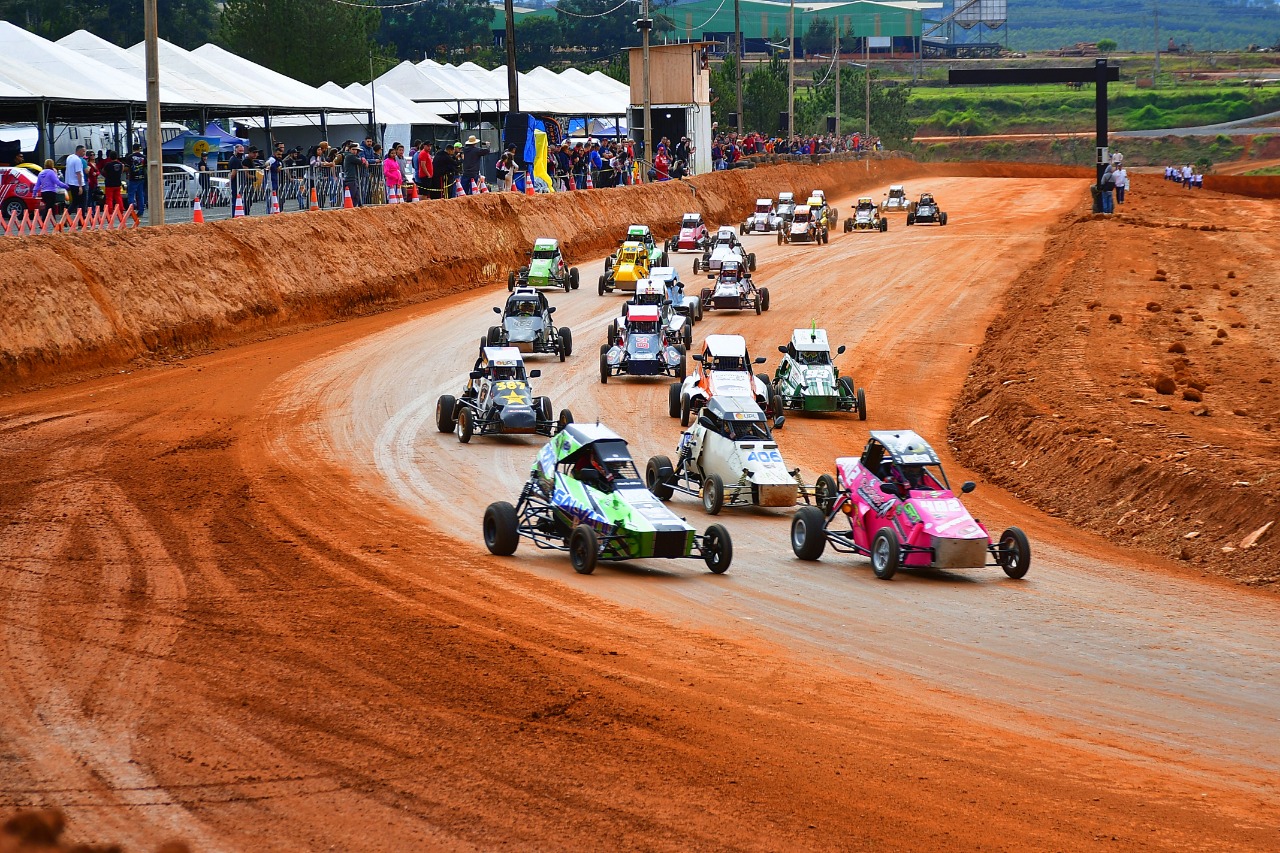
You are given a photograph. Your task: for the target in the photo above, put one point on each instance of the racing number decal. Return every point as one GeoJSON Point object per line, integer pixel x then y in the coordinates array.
{"type": "Point", "coordinates": [515, 391]}
{"type": "Point", "coordinates": [764, 456]}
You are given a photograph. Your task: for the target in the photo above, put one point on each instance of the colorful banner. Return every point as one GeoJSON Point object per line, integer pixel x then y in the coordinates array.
{"type": "Point", "coordinates": [194, 146]}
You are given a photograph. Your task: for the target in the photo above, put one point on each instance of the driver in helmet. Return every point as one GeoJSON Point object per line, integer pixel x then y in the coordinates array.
{"type": "Point", "coordinates": [525, 308]}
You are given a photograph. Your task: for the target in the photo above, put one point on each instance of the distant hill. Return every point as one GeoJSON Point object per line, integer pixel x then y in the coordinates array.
{"type": "Point", "coordinates": [1204, 24]}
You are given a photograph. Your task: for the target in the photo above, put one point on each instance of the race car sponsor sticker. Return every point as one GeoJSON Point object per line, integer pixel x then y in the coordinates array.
{"type": "Point", "coordinates": [642, 343]}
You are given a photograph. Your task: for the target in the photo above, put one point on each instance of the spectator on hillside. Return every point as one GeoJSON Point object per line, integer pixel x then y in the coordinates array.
{"type": "Point", "coordinates": [472, 160]}
{"type": "Point", "coordinates": [48, 185]}
{"type": "Point", "coordinates": [1187, 173]}
{"type": "Point", "coordinates": [112, 180]}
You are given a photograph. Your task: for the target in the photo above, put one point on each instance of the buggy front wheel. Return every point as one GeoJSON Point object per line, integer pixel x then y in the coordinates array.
{"type": "Point", "coordinates": [444, 413]}
{"type": "Point", "coordinates": [573, 279]}
{"type": "Point", "coordinates": [1013, 553]}
{"type": "Point", "coordinates": [862, 405]}
{"type": "Point", "coordinates": [824, 493]}
{"type": "Point", "coordinates": [566, 418]}
{"type": "Point", "coordinates": [808, 533]}
{"type": "Point", "coordinates": [657, 477]}
{"type": "Point", "coordinates": [584, 549]}
{"type": "Point", "coordinates": [886, 553]}
{"type": "Point", "coordinates": [713, 494]}
{"type": "Point", "coordinates": [717, 549]}
{"type": "Point", "coordinates": [501, 529]}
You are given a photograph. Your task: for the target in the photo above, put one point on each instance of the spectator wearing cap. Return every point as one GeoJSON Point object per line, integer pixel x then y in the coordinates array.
{"type": "Point", "coordinates": [353, 167]}
{"type": "Point", "coordinates": [472, 161]}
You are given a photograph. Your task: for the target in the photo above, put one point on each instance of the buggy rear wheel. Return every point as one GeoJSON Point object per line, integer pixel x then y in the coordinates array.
{"type": "Point", "coordinates": [604, 365]}
{"type": "Point", "coordinates": [494, 338]}
{"type": "Point", "coordinates": [1014, 553]}
{"type": "Point", "coordinates": [566, 342]}
{"type": "Point", "coordinates": [657, 477]}
{"type": "Point", "coordinates": [686, 409]}
{"type": "Point", "coordinates": [764, 298]}
{"type": "Point", "coordinates": [886, 553]}
{"type": "Point", "coordinates": [444, 413]}
{"type": "Point", "coordinates": [942, 219]}
{"type": "Point", "coordinates": [584, 549]}
{"type": "Point", "coordinates": [751, 261]}
{"type": "Point", "coordinates": [717, 549]}
{"type": "Point", "coordinates": [673, 399]}
{"type": "Point", "coordinates": [884, 225]}
{"type": "Point", "coordinates": [683, 369]}
{"type": "Point", "coordinates": [713, 494]}
{"type": "Point", "coordinates": [808, 533]}
{"type": "Point", "coordinates": [862, 405]}
{"type": "Point", "coordinates": [601, 288]}
{"type": "Point", "coordinates": [501, 529]}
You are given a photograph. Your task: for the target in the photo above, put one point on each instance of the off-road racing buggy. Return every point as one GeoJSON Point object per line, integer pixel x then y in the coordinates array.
{"type": "Point", "coordinates": [693, 236]}
{"type": "Point", "coordinates": [498, 400]}
{"type": "Point", "coordinates": [724, 368]}
{"type": "Point", "coordinates": [926, 211]}
{"type": "Point", "coordinates": [902, 513]}
{"type": "Point", "coordinates": [806, 227]}
{"type": "Point", "coordinates": [786, 209]}
{"type": "Point", "coordinates": [725, 247]}
{"type": "Point", "coordinates": [728, 457]}
{"type": "Point", "coordinates": [640, 234]}
{"type": "Point", "coordinates": [527, 326]}
{"type": "Point", "coordinates": [669, 279]}
{"type": "Point", "coordinates": [765, 220]}
{"type": "Point", "coordinates": [546, 268]}
{"type": "Point", "coordinates": [585, 496]}
{"type": "Point", "coordinates": [630, 264]}
{"type": "Point", "coordinates": [807, 381]}
{"type": "Point", "coordinates": [866, 217]}
{"type": "Point", "coordinates": [677, 328]}
{"type": "Point", "coordinates": [896, 200]}
{"type": "Point", "coordinates": [818, 201]}
{"type": "Point", "coordinates": [640, 348]}
{"type": "Point", "coordinates": [734, 291]}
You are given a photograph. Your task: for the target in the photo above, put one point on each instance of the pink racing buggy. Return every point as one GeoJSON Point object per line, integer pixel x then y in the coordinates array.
{"type": "Point", "coordinates": [902, 514]}
{"type": "Point", "coordinates": [693, 236]}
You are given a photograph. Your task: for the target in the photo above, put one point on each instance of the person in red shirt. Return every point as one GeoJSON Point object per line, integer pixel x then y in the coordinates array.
{"type": "Point", "coordinates": [662, 166]}
{"type": "Point", "coordinates": [91, 173]}
{"type": "Point", "coordinates": [111, 172]}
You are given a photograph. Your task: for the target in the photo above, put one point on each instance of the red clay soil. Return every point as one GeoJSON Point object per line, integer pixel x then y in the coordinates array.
{"type": "Point", "coordinates": [1137, 359]}
{"type": "Point", "coordinates": [84, 302]}
{"type": "Point", "coordinates": [1256, 186]}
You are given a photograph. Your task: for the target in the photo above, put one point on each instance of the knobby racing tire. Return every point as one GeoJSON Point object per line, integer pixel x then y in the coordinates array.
{"type": "Point", "coordinates": [764, 298]}
{"type": "Point", "coordinates": [445, 407]}
{"type": "Point", "coordinates": [751, 261]}
{"type": "Point", "coordinates": [825, 491]}
{"type": "Point", "coordinates": [942, 219]}
{"type": "Point", "coordinates": [602, 288]}
{"type": "Point", "coordinates": [862, 405]}
{"type": "Point", "coordinates": [604, 364]}
{"type": "Point", "coordinates": [713, 494]}
{"type": "Point", "coordinates": [884, 225]}
{"type": "Point", "coordinates": [1014, 553]}
{"type": "Point", "coordinates": [673, 399]}
{"type": "Point", "coordinates": [775, 403]}
{"type": "Point", "coordinates": [466, 425]}
{"type": "Point", "coordinates": [584, 549]}
{"type": "Point", "coordinates": [758, 308]}
{"type": "Point", "coordinates": [494, 338]}
{"type": "Point", "coordinates": [779, 238]}
{"type": "Point", "coordinates": [657, 477]}
{"type": "Point", "coordinates": [808, 533]}
{"type": "Point", "coordinates": [886, 553]}
{"type": "Point", "coordinates": [501, 529]}
{"type": "Point", "coordinates": [717, 549]}
{"type": "Point", "coordinates": [566, 343]}
{"type": "Point", "coordinates": [573, 279]}
{"type": "Point", "coordinates": [545, 411]}
{"type": "Point", "coordinates": [511, 280]}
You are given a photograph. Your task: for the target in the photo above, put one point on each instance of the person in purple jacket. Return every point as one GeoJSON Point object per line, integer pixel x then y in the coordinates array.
{"type": "Point", "coordinates": [48, 186]}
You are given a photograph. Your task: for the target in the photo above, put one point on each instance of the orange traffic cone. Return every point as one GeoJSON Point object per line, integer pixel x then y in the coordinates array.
{"type": "Point", "coordinates": [197, 212]}
{"type": "Point", "coordinates": [315, 202]}
{"type": "Point", "coordinates": [346, 198]}
{"type": "Point", "coordinates": [275, 203]}
{"type": "Point", "coordinates": [239, 209]}
{"type": "Point", "coordinates": [590, 183]}
{"type": "Point", "coordinates": [571, 184]}
{"type": "Point", "coordinates": [528, 184]}
{"type": "Point", "coordinates": [484, 187]}
{"type": "Point", "coordinates": [457, 187]}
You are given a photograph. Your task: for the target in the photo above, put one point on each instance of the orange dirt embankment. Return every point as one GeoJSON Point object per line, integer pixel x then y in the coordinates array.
{"type": "Point", "coordinates": [85, 302]}
{"type": "Point", "coordinates": [1130, 384]}
{"type": "Point", "coordinates": [1257, 186]}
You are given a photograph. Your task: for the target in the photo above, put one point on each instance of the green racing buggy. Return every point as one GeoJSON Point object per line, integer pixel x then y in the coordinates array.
{"type": "Point", "coordinates": [585, 496]}
{"type": "Point", "coordinates": [808, 381]}
{"type": "Point", "coordinates": [546, 268]}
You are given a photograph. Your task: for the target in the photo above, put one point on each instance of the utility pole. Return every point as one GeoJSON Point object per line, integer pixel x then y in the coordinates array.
{"type": "Point", "coordinates": [645, 24]}
{"type": "Point", "coordinates": [155, 178]}
{"type": "Point", "coordinates": [791, 73]}
{"type": "Point", "coordinates": [737, 57]}
{"type": "Point", "coordinates": [836, 54]}
{"type": "Point", "coordinates": [1155, 5]}
{"type": "Point", "coordinates": [513, 80]}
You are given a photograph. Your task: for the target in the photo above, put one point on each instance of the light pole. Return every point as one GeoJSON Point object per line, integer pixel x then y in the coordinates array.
{"type": "Point", "coordinates": [737, 57]}
{"type": "Point", "coordinates": [791, 73]}
{"type": "Point", "coordinates": [155, 177]}
{"type": "Point", "coordinates": [645, 24]}
{"type": "Point", "coordinates": [838, 70]}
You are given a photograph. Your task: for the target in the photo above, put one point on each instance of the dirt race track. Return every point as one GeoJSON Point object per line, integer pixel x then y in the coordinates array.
{"type": "Point", "coordinates": [246, 604]}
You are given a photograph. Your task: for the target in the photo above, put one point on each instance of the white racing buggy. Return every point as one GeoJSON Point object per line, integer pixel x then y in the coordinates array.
{"type": "Point", "coordinates": [498, 401]}
{"type": "Point", "coordinates": [677, 328]}
{"type": "Point", "coordinates": [896, 200]}
{"type": "Point", "coordinates": [786, 209]}
{"type": "Point", "coordinates": [641, 348]}
{"type": "Point", "coordinates": [726, 247]}
{"type": "Point", "coordinates": [808, 381]}
{"type": "Point", "coordinates": [723, 368]}
{"type": "Point", "coordinates": [527, 326]}
{"type": "Point", "coordinates": [728, 457]}
{"type": "Point", "coordinates": [806, 226]}
{"type": "Point", "coordinates": [734, 291]}
{"type": "Point", "coordinates": [866, 217]}
{"type": "Point", "coordinates": [764, 220]}
{"type": "Point", "coordinates": [669, 280]}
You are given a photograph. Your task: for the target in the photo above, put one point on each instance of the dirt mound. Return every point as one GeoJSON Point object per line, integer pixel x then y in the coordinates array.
{"type": "Point", "coordinates": [41, 832]}
{"type": "Point", "coordinates": [1129, 386]}
{"type": "Point", "coordinates": [88, 301]}
{"type": "Point", "coordinates": [1257, 186]}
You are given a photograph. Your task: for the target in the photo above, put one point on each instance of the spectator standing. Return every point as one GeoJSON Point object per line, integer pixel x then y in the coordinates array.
{"type": "Point", "coordinates": [595, 162]}
{"type": "Point", "coordinates": [112, 180]}
{"type": "Point", "coordinates": [563, 166]}
{"type": "Point", "coordinates": [322, 173]}
{"type": "Point", "coordinates": [202, 174]}
{"type": "Point", "coordinates": [392, 176]}
{"type": "Point", "coordinates": [472, 161]}
{"type": "Point", "coordinates": [366, 150]}
{"type": "Point", "coordinates": [75, 178]}
{"type": "Point", "coordinates": [47, 185]}
{"type": "Point", "coordinates": [1122, 179]}
{"type": "Point", "coordinates": [239, 179]}
{"type": "Point", "coordinates": [423, 169]}
{"type": "Point", "coordinates": [661, 166]}
{"type": "Point", "coordinates": [505, 168]}
{"type": "Point", "coordinates": [91, 181]}
{"type": "Point", "coordinates": [1106, 186]}
{"type": "Point", "coordinates": [1187, 173]}
{"type": "Point", "coordinates": [442, 166]}
{"type": "Point", "coordinates": [136, 171]}
{"type": "Point", "coordinates": [353, 166]}
{"type": "Point", "coordinates": [275, 164]}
